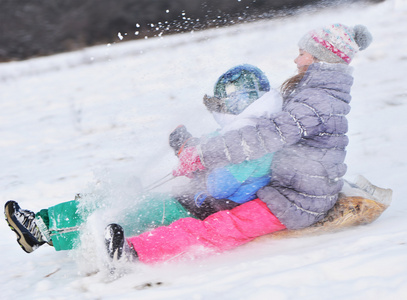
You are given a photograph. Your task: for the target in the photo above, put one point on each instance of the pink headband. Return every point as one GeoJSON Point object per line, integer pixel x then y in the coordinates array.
{"type": "Point", "coordinates": [331, 48]}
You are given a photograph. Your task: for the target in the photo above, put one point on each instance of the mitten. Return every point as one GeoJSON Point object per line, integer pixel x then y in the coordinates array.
{"type": "Point", "coordinates": [189, 162]}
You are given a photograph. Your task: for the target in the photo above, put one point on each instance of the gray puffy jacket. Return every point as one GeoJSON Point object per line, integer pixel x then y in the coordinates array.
{"type": "Point", "coordinates": [309, 140]}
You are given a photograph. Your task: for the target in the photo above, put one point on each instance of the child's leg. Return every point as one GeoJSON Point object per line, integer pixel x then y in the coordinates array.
{"type": "Point", "coordinates": [57, 225]}
{"type": "Point", "coordinates": [65, 222]}
{"type": "Point", "coordinates": [152, 212]}
{"type": "Point", "coordinates": [60, 224]}
{"type": "Point", "coordinates": [221, 231]}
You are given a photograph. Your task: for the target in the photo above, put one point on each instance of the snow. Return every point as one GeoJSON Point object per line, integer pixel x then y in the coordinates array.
{"type": "Point", "coordinates": [98, 120]}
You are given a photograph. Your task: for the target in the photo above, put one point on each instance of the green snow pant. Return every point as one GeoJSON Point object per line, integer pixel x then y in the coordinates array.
{"type": "Point", "coordinates": [61, 223]}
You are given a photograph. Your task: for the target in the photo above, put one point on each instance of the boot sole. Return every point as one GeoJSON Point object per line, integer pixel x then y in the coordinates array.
{"type": "Point", "coordinates": [22, 237]}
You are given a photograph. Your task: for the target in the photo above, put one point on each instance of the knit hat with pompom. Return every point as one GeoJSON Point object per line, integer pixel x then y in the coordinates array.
{"type": "Point", "coordinates": [336, 43]}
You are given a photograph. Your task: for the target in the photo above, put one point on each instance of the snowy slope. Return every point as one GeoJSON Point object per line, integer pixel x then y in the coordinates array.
{"type": "Point", "coordinates": [98, 120]}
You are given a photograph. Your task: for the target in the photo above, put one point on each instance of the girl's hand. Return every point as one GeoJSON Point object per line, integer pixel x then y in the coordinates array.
{"type": "Point", "coordinates": [189, 162]}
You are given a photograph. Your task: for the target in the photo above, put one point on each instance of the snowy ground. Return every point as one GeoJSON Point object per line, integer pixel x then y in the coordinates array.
{"type": "Point", "coordinates": [98, 120]}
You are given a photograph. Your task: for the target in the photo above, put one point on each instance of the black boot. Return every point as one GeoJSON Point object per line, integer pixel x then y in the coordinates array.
{"type": "Point", "coordinates": [22, 222]}
{"type": "Point", "coordinates": [116, 244]}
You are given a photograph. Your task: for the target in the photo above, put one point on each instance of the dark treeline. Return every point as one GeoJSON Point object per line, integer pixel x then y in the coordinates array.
{"type": "Point", "coordinates": [30, 28]}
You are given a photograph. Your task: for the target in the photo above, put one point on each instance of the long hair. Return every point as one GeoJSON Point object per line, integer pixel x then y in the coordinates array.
{"type": "Point", "coordinates": [291, 84]}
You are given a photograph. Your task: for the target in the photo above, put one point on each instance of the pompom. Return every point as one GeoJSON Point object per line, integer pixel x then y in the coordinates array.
{"type": "Point", "coordinates": [362, 36]}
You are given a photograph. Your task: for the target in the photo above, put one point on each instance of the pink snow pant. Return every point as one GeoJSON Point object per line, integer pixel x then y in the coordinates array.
{"type": "Point", "coordinates": [221, 231]}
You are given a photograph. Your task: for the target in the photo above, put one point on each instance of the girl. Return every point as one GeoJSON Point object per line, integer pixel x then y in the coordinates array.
{"type": "Point", "coordinates": [242, 94]}
{"type": "Point", "coordinates": [308, 138]}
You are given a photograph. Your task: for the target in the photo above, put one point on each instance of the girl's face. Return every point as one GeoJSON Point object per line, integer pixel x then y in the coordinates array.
{"type": "Point", "coordinates": [303, 60]}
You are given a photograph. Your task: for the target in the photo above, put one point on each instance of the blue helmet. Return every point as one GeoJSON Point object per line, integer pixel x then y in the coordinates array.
{"type": "Point", "coordinates": [240, 86]}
